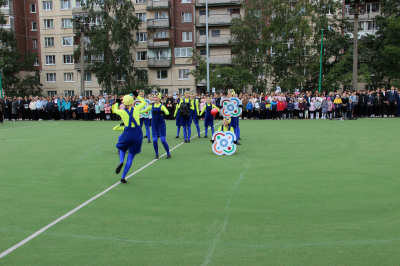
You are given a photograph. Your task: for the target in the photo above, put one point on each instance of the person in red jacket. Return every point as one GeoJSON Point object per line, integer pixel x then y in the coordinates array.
{"type": "Point", "coordinates": [280, 106]}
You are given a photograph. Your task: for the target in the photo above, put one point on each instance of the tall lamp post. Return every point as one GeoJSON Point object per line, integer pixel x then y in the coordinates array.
{"type": "Point", "coordinates": [207, 50]}
{"type": "Point", "coordinates": [320, 61]}
{"type": "Point", "coordinates": [357, 7]}
{"type": "Point", "coordinates": [82, 26]}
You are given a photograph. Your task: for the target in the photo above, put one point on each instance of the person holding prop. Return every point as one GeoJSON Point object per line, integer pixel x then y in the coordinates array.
{"type": "Point", "coordinates": [145, 121]}
{"type": "Point", "coordinates": [194, 114]}
{"type": "Point", "coordinates": [226, 125]}
{"type": "Point", "coordinates": [209, 118]}
{"type": "Point", "coordinates": [234, 120]}
{"type": "Point", "coordinates": [132, 138]}
{"type": "Point", "coordinates": [159, 129]}
{"type": "Point", "coordinates": [183, 109]}
{"type": "Point", "coordinates": [224, 140]}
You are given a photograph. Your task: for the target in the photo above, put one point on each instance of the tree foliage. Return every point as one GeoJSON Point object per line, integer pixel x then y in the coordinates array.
{"type": "Point", "coordinates": [113, 40]}
{"type": "Point", "coordinates": [18, 75]}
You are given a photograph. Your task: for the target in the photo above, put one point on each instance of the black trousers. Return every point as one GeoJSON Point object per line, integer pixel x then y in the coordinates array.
{"type": "Point", "coordinates": [249, 114]}
{"type": "Point", "coordinates": [363, 110]}
{"type": "Point", "coordinates": [391, 109]}
{"type": "Point", "coordinates": [1, 116]}
{"type": "Point", "coordinates": [67, 114]}
{"type": "Point", "coordinates": [50, 114]}
{"type": "Point", "coordinates": [6, 113]}
{"type": "Point", "coordinates": [102, 115]}
{"type": "Point", "coordinates": [369, 111]}
{"type": "Point", "coordinates": [33, 114]}
{"type": "Point", "coordinates": [384, 109]}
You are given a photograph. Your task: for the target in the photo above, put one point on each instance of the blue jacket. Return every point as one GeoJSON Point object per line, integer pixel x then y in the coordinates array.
{"type": "Point", "coordinates": [290, 106]}
{"type": "Point", "coordinates": [392, 97]}
{"type": "Point", "coordinates": [398, 100]}
{"type": "Point", "coordinates": [370, 100]}
{"type": "Point", "coordinates": [263, 107]}
{"type": "Point", "coordinates": [49, 107]}
{"type": "Point", "coordinates": [273, 105]}
{"type": "Point", "coordinates": [68, 106]}
{"type": "Point", "coordinates": [350, 106]}
{"type": "Point", "coordinates": [61, 105]}
{"type": "Point", "coordinates": [249, 106]}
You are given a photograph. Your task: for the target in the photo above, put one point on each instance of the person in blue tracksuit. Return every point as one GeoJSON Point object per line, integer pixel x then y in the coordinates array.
{"type": "Point", "coordinates": [194, 114]}
{"type": "Point", "coordinates": [50, 109]}
{"type": "Point", "coordinates": [158, 128]}
{"type": "Point", "coordinates": [185, 121]}
{"type": "Point", "coordinates": [208, 118]}
{"type": "Point", "coordinates": [234, 120]}
{"type": "Point", "coordinates": [145, 121]}
{"type": "Point", "coordinates": [178, 119]}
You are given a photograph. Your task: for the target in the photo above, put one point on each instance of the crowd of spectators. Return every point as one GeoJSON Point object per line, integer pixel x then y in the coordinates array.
{"type": "Point", "coordinates": [274, 105]}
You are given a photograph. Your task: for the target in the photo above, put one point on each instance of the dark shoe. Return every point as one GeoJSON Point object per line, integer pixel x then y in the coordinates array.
{"type": "Point", "coordinates": [123, 180]}
{"type": "Point", "coordinates": [119, 168]}
{"type": "Point", "coordinates": [145, 137]}
{"type": "Point", "coordinates": [188, 141]}
{"type": "Point", "coordinates": [205, 137]}
{"type": "Point", "coordinates": [148, 141]}
{"type": "Point", "coordinates": [177, 137]}
{"type": "Point", "coordinates": [156, 157]}
{"type": "Point", "coordinates": [199, 137]}
{"type": "Point", "coordinates": [185, 141]}
{"type": "Point", "coordinates": [238, 143]}
{"type": "Point", "coordinates": [169, 156]}
{"type": "Point", "coordinates": [239, 139]}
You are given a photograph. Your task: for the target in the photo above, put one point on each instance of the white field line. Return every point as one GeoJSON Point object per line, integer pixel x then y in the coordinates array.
{"type": "Point", "coordinates": [28, 126]}
{"type": "Point", "coordinates": [11, 249]}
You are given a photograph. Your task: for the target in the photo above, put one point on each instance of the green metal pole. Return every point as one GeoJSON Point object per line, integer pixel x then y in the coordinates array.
{"type": "Point", "coordinates": [320, 63]}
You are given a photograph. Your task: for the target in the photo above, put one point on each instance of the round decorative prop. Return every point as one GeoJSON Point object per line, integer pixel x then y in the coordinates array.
{"type": "Point", "coordinates": [224, 143]}
{"type": "Point", "coordinates": [230, 107]}
{"type": "Point", "coordinates": [214, 112]}
{"type": "Point", "coordinates": [144, 115]}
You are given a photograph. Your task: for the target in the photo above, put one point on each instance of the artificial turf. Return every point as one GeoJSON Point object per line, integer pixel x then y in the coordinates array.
{"type": "Point", "coordinates": [300, 192]}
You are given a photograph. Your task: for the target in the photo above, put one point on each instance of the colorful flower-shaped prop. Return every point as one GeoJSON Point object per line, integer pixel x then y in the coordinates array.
{"type": "Point", "coordinates": [230, 107]}
{"type": "Point", "coordinates": [224, 143]}
{"type": "Point", "coordinates": [144, 115]}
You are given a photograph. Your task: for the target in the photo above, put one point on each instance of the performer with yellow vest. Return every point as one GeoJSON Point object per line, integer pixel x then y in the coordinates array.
{"type": "Point", "coordinates": [132, 138]}
{"type": "Point", "coordinates": [194, 114]}
{"type": "Point", "coordinates": [159, 129]}
{"type": "Point", "coordinates": [184, 107]}
{"type": "Point", "coordinates": [208, 118]}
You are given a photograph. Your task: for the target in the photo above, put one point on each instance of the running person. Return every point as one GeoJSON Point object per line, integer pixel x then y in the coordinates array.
{"type": "Point", "coordinates": [145, 121]}
{"type": "Point", "coordinates": [194, 114]}
{"type": "Point", "coordinates": [159, 129]}
{"type": "Point", "coordinates": [185, 121]}
{"type": "Point", "coordinates": [132, 138]}
{"type": "Point", "coordinates": [208, 119]}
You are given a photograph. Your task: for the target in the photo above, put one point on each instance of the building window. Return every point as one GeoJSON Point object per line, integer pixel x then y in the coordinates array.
{"type": "Point", "coordinates": [68, 59]}
{"type": "Point", "coordinates": [68, 77]}
{"type": "Point", "coordinates": [183, 52]}
{"type": "Point", "coordinates": [160, 15]}
{"type": "Point", "coordinates": [47, 5]}
{"type": "Point", "coordinates": [51, 77]}
{"type": "Point", "coordinates": [141, 17]}
{"type": "Point", "coordinates": [47, 23]}
{"type": "Point", "coordinates": [141, 56]}
{"type": "Point", "coordinates": [203, 52]}
{"type": "Point", "coordinates": [88, 77]}
{"type": "Point", "coordinates": [140, 1]}
{"type": "Point", "coordinates": [66, 23]}
{"type": "Point", "coordinates": [164, 91]}
{"type": "Point", "coordinates": [88, 93]}
{"type": "Point", "coordinates": [50, 59]}
{"type": "Point", "coordinates": [49, 42]}
{"type": "Point", "coordinates": [34, 26]}
{"type": "Point", "coordinates": [7, 24]}
{"type": "Point", "coordinates": [372, 7]}
{"type": "Point", "coordinates": [34, 43]}
{"type": "Point", "coordinates": [202, 12]}
{"type": "Point", "coordinates": [36, 61]}
{"type": "Point", "coordinates": [33, 8]}
{"type": "Point", "coordinates": [186, 17]}
{"type": "Point", "coordinates": [65, 4]}
{"type": "Point", "coordinates": [186, 36]}
{"type": "Point", "coordinates": [182, 91]}
{"type": "Point", "coordinates": [216, 33]}
{"type": "Point", "coordinates": [202, 32]}
{"type": "Point", "coordinates": [6, 5]}
{"type": "Point", "coordinates": [162, 74]}
{"type": "Point", "coordinates": [186, 1]}
{"type": "Point", "coordinates": [142, 75]}
{"type": "Point", "coordinates": [141, 36]}
{"type": "Point", "coordinates": [161, 33]}
{"type": "Point", "coordinates": [69, 93]}
{"type": "Point", "coordinates": [161, 55]}
{"type": "Point", "coordinates": [184, 73]}
{"type": "Point", "coordinates": [52, 93]}
{"type": "Point", "coordinates": [67, 41]}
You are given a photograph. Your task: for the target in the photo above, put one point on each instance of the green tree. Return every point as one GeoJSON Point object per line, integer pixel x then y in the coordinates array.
{"type": "Point", "coordinates": [18, 75]}
{"type": "Point", "coordinates": [112, 44]}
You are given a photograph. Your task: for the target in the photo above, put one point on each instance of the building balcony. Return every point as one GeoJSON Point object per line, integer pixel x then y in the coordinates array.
{"type": "Point", "coordinates": [151, 43]}
{"type": "Point", "coordinates": [217, 20]}
{"type": "Point", "coordinates": [223, 60]}
{"type": "Point", "coordinates": [158, 23]}
{"type": "Point", "coordinates": [162, 62]}
{"type": "Point", "coordinates": [218, 2]}
{"type": "Point", "coordinates": [220, 40]}
{"type": "Point", "coordinates": [78, 66]}
{"type": "Point", "coordinates": [155, 5]}
{"type": "Point", "coordinates": [80, 9]}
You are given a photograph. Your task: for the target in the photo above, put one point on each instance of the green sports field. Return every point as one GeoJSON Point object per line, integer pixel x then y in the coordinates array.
{"type": "Point", "coordinates": [303, 192]}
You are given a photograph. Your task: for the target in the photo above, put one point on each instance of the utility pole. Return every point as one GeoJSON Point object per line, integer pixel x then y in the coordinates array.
{"type": "Point", "coordinates": [207, 50]}
{"type": "Point", "coordinates": [320, 63]}
{"type": "Point", "coordinates": [82, 62]}
{"type": "Point", "coordinates": [357, 8]}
